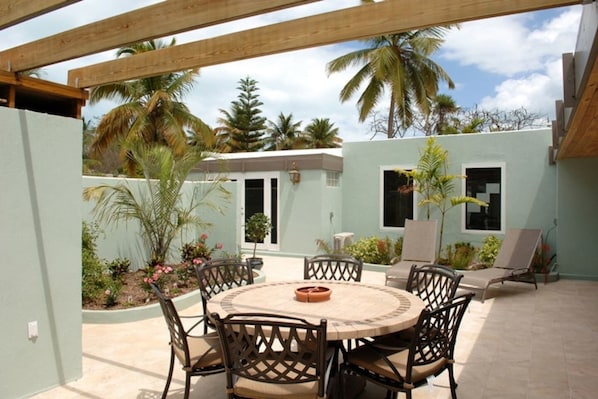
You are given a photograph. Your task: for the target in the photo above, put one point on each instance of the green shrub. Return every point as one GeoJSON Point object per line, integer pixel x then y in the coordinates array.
{"type": "Point", "coordinates": [93, 278]}
{"type": "Point", "coordinates": [489, 250]}
{"type": "Point", "coordinates": [373, 250]}
{"type": "Point", "coordinates": [118, 267]}
{"type": "Point", "coordinates": [98, 280]}
{"type": "Point", "coordinates": [462, 255]}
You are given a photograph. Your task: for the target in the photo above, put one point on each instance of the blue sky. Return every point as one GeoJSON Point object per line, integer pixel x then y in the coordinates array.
{"type": "Point", "coordinates": [500, 63]}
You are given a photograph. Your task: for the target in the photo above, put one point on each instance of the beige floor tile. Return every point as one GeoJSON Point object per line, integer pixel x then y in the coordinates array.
{"type": "Point", "coordinates": [519, 343]}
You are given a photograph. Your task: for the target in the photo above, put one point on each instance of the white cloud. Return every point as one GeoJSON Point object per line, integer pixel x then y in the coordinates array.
{"type": "Point", "coordinates": [536, 92]}
{"type": "Point", "coordinates": [528, 56]}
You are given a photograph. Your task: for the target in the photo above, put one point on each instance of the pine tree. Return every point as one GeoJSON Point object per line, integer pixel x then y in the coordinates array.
{"type": "Point", "coordinates": [243, 125]}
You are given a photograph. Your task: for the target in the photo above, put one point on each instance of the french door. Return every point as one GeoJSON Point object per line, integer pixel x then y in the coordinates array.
{"type": "Point", "coordinates": [260, 195]}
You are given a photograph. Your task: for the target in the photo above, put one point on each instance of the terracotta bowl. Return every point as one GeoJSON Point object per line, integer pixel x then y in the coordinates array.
{"type": "Point", "coordinates": [313, 294]}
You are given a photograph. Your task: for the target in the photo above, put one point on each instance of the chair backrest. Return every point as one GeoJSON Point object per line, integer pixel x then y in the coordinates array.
{"type": "Point", "coordinates": [436, 334]}
{"type": "Point", "coordinates": [518, 248]}
{"type": "Point", "coordinates": [178, 337]}
{"type": "Point", "coordinates": [434, 284]}
{"type": "Point", "coordinates": [217, 275]}
{"type": "Point", "coordinates": [273, 349]}
{"type": "Point", "coordinates": [419, 241]}
{"type": "Point", "coordinates": [332, 267]}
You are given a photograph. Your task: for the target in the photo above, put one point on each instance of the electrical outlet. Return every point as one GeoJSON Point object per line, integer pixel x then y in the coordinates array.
{"type": "Point", "coordinates": [32, 330]}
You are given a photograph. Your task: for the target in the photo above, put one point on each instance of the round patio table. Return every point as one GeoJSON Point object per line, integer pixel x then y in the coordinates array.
{"type": "Point", "coordinates": [354, 310]}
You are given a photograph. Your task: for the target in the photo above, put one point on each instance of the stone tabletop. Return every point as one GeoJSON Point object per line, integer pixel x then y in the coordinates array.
{"type": "Point", "coordinates": [354, 310]}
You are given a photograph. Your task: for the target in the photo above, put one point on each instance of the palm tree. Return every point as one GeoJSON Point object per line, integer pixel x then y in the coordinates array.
{"type": "Point", "coordinates": [284, 134]}
{"type": "Point", "coordinates": [151, 109]}
{"type": "Point", "coordinates": [443, 107]}
{"type": "Point", "coordinates": [321, 133]}
{"type": "Point", "coordinates": [401, 63]}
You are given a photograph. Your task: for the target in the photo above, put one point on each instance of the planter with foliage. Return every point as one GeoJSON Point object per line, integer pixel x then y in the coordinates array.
{"type": "Point", "coordinates": [257, 227]}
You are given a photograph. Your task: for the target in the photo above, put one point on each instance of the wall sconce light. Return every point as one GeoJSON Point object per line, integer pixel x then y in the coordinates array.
{"type": "Point", "coordinates": [294, 174]}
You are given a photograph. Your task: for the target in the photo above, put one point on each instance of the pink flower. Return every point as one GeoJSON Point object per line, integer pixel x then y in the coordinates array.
{"type": "Point", "coordinates": [197, 261]}
{"type": "Point", "coordinates": [107, 292]}
{"type": "Point", "coordinates": [204, 237]}
{"type": "Point", "coordinates": [219, 246]}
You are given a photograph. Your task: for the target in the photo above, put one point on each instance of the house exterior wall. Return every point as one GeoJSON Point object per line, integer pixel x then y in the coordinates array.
{"type": "Point", "coordinates": [40, 243]}
{"type": "Point", "coordinates": [530, 181]}
{"type": "Point", "coordinates": [577, 234]}
{"type": "Point", "coordinates": [305, 210]}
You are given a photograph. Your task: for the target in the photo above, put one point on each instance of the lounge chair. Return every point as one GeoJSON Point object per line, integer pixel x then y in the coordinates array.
{"type": "Point", "coordinates": [512, 262]}
{"type": "Point", "coordinates": [419, 248]}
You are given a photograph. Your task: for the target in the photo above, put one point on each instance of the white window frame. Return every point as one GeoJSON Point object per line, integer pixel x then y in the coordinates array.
{"type": "Point", "coordinates": [503, 195]}
{"type": "Point", "coordinates": [381, 171]}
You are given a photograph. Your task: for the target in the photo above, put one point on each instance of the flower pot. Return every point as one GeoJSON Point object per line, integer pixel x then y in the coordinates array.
{"type": "Point", "coordinates": [255, 263]}
{"type": "Point", "coordinates": [313, 294]}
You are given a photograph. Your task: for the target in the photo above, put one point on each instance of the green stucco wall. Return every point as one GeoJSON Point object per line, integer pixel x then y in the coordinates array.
{"type": "Point", "coordinates": [578, 218]}
{"type": "Point", "coordinates": [530, 187]}
{"type": "Point", "coordinates": [40, 243]}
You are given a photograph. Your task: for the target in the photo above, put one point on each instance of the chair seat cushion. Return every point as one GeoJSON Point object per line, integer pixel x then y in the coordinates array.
{"type": "Point", "coordinates": [262, 390]}
{"type": "Point", "coordinates": [368, 358]}
{"type": "Point", "coordinates": [204, 351]}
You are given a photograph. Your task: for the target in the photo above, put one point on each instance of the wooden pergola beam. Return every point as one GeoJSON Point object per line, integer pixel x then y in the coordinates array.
{"type": "Point", "coordinates": [358, 22]}
{"type": "Point", "coordinates": [13, 12]}
{"type": "Point", "coordinates": [159, 20]}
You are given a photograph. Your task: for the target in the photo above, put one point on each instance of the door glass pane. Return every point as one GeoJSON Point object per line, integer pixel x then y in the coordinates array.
{"type": "Point", "coordinates": [254, 198]}
{"type": "Point", "coordinates": [274, 210]}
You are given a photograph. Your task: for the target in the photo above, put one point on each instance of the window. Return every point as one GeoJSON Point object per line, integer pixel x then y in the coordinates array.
{"type": "Point", "coordinates": [484, 183]}
{"type": "Point", "coordinates": [332, 178]}
{"type": "Point", "coordinates": [396, 205]}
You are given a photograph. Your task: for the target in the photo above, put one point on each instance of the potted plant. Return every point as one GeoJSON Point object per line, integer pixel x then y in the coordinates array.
{"type": "Point", "coordinates": [257, 227]}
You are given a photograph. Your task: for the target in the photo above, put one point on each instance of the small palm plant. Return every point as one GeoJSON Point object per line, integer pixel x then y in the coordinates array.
{"type": "Point", "coordinates": [158, 206]}
{"type": "Point", "coordinates": [431, 181]}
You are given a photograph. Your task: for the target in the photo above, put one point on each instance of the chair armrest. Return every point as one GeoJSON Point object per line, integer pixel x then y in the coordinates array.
{"type": "Point", "coordinates": [200, 320]}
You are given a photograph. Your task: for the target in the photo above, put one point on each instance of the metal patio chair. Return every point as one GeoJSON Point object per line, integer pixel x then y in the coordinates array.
{"type": "Point", "coordinates": [273, 356]}
{"type": "Point", "coordinates": [199, 355]}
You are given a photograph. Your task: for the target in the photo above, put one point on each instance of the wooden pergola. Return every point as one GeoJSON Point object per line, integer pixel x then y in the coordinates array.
{"type": "Point", "coordinates": [176, 16]}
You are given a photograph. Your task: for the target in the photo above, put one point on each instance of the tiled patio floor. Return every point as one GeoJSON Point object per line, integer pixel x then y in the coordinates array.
{"type": "Point", "coordinates": [518, 344]}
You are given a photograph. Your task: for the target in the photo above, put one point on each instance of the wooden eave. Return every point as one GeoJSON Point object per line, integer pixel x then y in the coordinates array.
{"type": "Point", "coordinates": [40, 95]}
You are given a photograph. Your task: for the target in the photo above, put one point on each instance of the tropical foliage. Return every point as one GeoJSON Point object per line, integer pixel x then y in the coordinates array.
{"type": "Point", "coordinates": [158, 205]}
{"type": "Point", "coordinates": [382, 251]}
{"type": "Point", "coordinates": [321, 133]}
{"type": "Point", "coordinates": [436, 187]}
{"type": "Point", "coordinates": [400, 64]}
{"type": "Point", "coordinates": [151, 109]}
{"type": "Point", "coordinates": [284, 134]}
